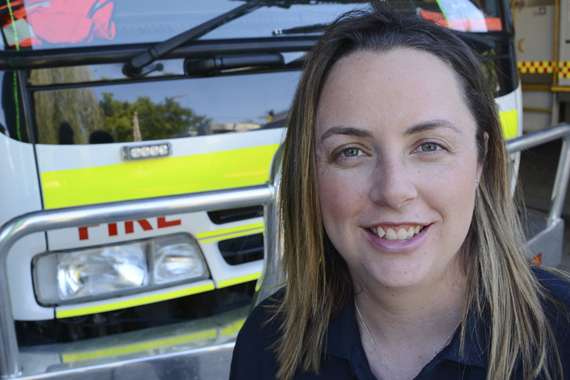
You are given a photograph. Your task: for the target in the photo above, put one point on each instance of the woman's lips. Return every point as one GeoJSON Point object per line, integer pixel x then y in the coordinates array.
{"type": "Point", "coordinates": [396, 242]}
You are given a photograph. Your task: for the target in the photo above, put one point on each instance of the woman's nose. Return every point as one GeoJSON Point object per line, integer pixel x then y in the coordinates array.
{"type": "Point", "coordinates": [392, 185]}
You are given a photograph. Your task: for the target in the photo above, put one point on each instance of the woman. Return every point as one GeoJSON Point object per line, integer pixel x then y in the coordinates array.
{"type": "Point", "coordinates": [402, 247]}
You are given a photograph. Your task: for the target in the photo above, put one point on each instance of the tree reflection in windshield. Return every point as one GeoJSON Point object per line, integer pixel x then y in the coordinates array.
{"type": "Point", "coordinates": [152, 120]}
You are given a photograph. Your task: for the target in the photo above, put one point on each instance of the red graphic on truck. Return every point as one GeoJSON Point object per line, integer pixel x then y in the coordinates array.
{"type": "Point", "coordinates": [129, 226]}
{"type": "Point", "coordinates": [32, 23]}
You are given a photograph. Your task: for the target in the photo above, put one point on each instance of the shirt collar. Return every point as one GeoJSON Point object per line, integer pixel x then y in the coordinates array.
{"type": "Point", "coordinates": [343, 339]}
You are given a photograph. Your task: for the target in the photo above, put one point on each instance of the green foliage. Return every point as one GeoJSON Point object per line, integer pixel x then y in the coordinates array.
{"type": "Point", "coordinates": [156, 120]}
{"type": "Point", "coordinates": [80, 112]}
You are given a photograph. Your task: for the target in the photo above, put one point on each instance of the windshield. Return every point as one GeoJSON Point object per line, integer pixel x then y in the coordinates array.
{"type": "Point", "coordinates": [48, 24]}
{"type": "Point", "coordinates": [153, 110]}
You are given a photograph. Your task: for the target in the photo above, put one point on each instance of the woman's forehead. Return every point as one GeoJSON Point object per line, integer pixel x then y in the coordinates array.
{"type": "Point", "coordinates": [402, 87]}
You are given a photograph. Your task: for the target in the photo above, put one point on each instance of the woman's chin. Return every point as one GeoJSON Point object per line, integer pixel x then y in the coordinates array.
{"type": "Point", "coordinates": [395, 278]}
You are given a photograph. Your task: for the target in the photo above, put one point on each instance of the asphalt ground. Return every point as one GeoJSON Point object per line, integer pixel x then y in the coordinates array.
{"type": "Point", "coordinates": [536, 178]}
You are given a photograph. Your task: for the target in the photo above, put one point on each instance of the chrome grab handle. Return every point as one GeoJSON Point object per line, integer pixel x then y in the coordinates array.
{"type": "Point", "coordinates": [534, 139]}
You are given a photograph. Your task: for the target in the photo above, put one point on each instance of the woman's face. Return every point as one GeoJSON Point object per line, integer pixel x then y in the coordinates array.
{"type": "Point", "coordinates": [397, 166]}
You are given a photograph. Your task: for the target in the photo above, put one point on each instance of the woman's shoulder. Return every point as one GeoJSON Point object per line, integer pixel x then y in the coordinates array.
{"type": "Point", "coordinates": [556, 288]}
{"type": "Point", "coordinates": [263, 322]}
{"type": "Point", "coordinates": [253, 356]}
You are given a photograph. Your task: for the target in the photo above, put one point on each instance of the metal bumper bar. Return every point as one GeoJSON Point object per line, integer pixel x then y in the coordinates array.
{"type": "Point", "coordinates": [40, 221]}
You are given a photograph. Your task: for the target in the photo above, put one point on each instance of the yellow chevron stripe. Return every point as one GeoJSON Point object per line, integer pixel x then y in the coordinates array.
{"type": "Point", "coordinates": [544, 67]}
{"type": "Point", "coordinates": [157, 177]}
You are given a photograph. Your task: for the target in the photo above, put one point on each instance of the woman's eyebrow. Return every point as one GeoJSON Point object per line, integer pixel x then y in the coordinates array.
{"type": "Point", "coordinates": [418, 128]}
{"type": "Point", "coordinates": [341, 130]}
{"type": "Point", "coordinates": [430, 125]}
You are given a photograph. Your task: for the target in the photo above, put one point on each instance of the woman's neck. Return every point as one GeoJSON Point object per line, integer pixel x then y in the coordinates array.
{"type": "Point", "coordinates": [403, 329]}
{"type": "Point", "coordinates": [411, 314]}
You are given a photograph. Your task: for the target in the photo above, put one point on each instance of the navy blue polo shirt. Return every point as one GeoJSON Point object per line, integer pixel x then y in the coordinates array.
{"type": "Point", "coordinates": [344, 356]}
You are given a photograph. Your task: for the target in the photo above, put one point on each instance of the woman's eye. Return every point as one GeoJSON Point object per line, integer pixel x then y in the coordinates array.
{"type": "Point", "coordinates": [347, 155]}
{"type": "Point", "coordinates": [429, 147]}
{"type": "Point", "coordinates": [350, 152]}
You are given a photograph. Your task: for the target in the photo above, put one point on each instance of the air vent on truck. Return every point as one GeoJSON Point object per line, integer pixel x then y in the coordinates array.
{"type": "Point", "coordinates": [235, 214]}
{"type": "Point", "coordinates": [243, 249]}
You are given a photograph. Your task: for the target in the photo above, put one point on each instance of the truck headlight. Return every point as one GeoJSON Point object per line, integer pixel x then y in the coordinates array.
{"type": "Point", "coordinates": [98, 273]}
{"type": "Point", "coordinates": [175, 260]}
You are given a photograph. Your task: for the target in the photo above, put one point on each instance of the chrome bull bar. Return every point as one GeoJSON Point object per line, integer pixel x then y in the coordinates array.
{"type": "Point", "coordinates": [42, 221]}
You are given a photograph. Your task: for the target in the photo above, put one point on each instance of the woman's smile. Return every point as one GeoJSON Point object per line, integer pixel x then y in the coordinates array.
{"type": "Point", "coordinates": [397, 231]}
{"type": "Point", "coordinates": [402, 238]}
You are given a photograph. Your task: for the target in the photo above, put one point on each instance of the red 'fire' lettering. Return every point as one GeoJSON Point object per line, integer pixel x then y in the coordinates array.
{"type": "Point", "coordinates": [113, 228]}
{"type": "Point", "coordinates": [83, 233]}
{"type": "Point", "coordinates": [163, 223]}
{"type": "Point", "coordinates": [130, 226]}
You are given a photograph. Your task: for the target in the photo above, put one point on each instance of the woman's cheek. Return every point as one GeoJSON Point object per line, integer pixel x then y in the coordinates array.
{"type": "Point", "coordinates": [340, 188]}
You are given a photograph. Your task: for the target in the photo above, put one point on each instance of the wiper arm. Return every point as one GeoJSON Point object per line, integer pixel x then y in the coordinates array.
{"type": "Point", "coordinates": [314, 28]}
{"type": "Point", "coordinates": [221, 63]}
{"type": "Point", "coordinates": [140, 65]}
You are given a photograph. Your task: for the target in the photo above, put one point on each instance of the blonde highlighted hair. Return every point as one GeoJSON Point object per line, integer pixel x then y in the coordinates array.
{"type": "Point", "coordinates": [501, 287]}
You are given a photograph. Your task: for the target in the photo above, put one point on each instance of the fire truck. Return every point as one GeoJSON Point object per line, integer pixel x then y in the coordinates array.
{"type": "Point", "coordinates": [106, 102]}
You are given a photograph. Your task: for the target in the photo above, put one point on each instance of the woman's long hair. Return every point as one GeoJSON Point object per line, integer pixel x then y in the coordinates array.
{"type": "Point", "coordinates": [501, 288]}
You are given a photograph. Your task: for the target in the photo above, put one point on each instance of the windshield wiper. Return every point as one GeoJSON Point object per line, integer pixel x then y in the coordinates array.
{"type": "Point", "coordinates": [142, 64]}
{"type": "Point", "coordinates": [314, 28]}
{"type": "Point", "coordinates": [220, 63]}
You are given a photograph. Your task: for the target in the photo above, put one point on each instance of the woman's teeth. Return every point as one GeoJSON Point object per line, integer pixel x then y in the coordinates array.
{"type": "Point", "coordinates": [401, 233]}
